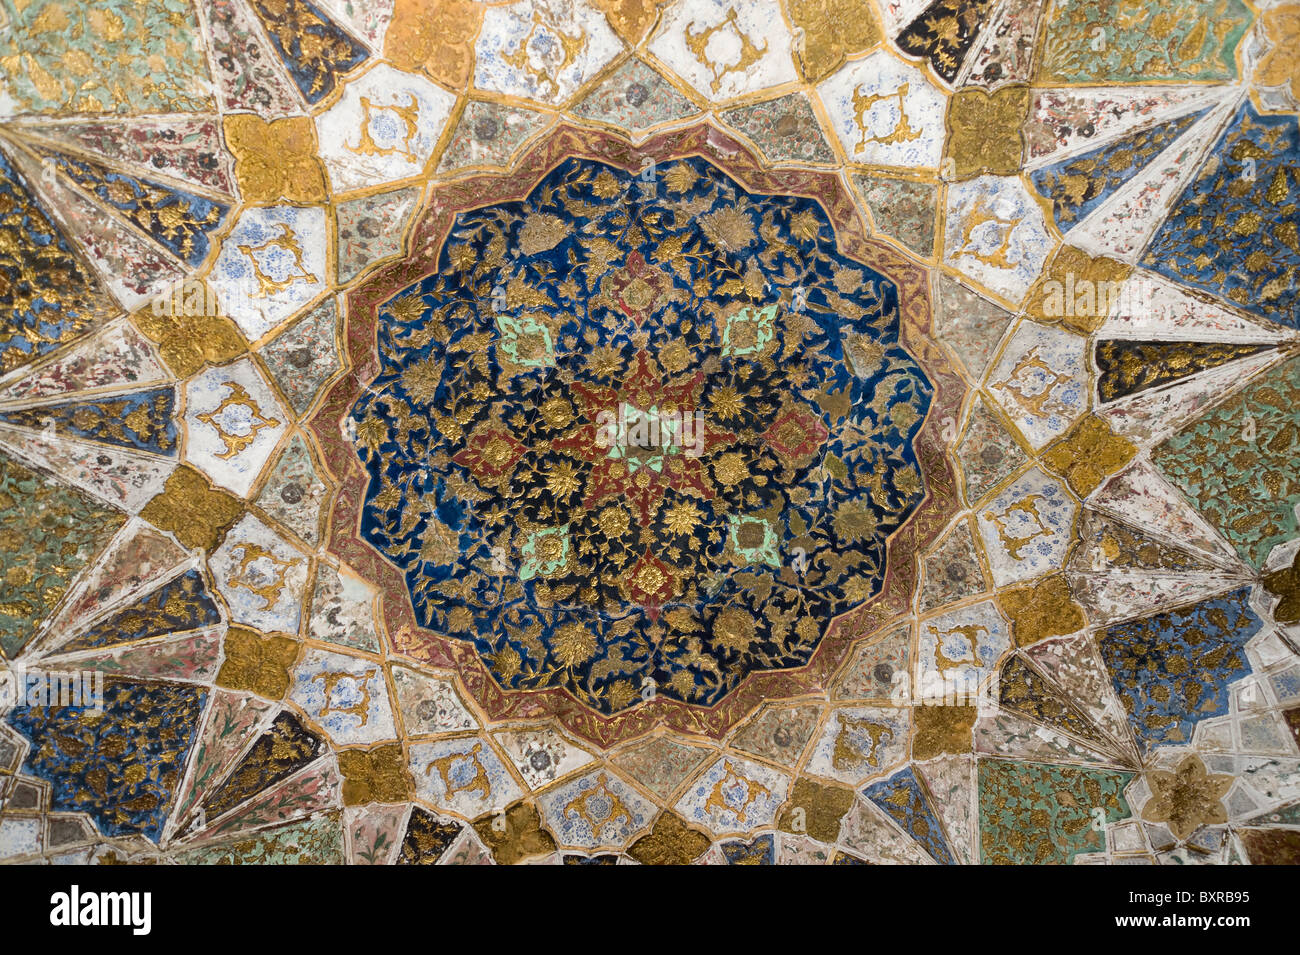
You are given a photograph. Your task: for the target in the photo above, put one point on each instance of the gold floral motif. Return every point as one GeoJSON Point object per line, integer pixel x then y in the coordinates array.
{"type": "Point", "coordinates": [944, 32]}
{"type": "Point", "coordinates": [823, 807]}
{"type": "Point", "coordinates": [188, 342]}
{"type": "Point", "coordinates": [631, 19]}
{"type": "Point", "coordinates": [1280, 66]}
{"type": "Point", "coordinates": [971, 633]}
{"type": "Point", "coordinates": [937, 730]}
{"type": "Point", "coordinates": [157, 210]}
{"type": "Point", "coordinates": [321, 50]}
{"type": "Point", "coordinates": [109, 420]}
{"type": "Point", "coordinates": [571, 47]}
{"type": "Point", "coordinates": [1192, 40]}
{"type": "Point", "coordinates": [1041, 610]}
{"type": "Point", "coordinates": [286, 240]}
{"type": "Point", "coordinates": [235, 442]}
{"type": "Point", "coordinates": [375, 775]}
{"type": "Point", "coordinates": [408, 114]}
{"type": "Point", "coordinates": [984, 131]}
{"type": "Point", "coordinates": [754, 791]}
{"type": "Point", "coordinates": [1088, 454]}
{"type": "Point", "coordinates": [330, 681]}
{"type": "Point", "coordinates": [192, 509]}
{"type": "Point", "coordinates": [478, 783]}
{"type": "Point", "coordinates": [1187, 798]}
{"type": "Point", "coordinates": [1027, 506]}
{"type": "Point", "coordinates": [1285, 584]}
{"type": "Point", "coordinates": [58, 57]}
{"type": "Point", "coordinates": [275, 160]}
{"type": "Point", "coordinates": [848, 752]}
{"type": "Point", "coordinates": [902, 131]}
{"type": "Point", "coordinates": [257, 663]}
{"type": "Point", "coordinates": [670, 842]}
{"type": "Point", "coordinates": [982, 214]}
{"type": "Point", "coordinates": [267, 585]}
{"type": "Point", "coordinates": [435, 37]}
{"type": "Point", "coordinates": [1094, 282]}
{"type": "Point", "coordinates": [35, 270]}
{"type": "Point", "coordinates": [515, 834]}
{"type": "Point", "coordinates": [1024, 375]}
{"type": "Point", "coordinates": [830, 31]}
{"type": "Point", "coordinates": [615, 810]}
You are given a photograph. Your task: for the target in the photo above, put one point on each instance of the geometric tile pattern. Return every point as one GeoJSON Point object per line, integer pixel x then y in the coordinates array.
{"type": "Point", "coordinates": [738, 433]}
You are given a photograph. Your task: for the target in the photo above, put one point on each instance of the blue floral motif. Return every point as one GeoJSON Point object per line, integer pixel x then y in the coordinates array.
{"type": "Point", "coordinates": [1173, 669]}
{"type": "Point", "coordinates": [640, 435]}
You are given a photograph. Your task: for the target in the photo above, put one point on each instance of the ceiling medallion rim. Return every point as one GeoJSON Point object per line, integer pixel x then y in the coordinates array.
{"type": "Point", "coordinates": [904, 546]}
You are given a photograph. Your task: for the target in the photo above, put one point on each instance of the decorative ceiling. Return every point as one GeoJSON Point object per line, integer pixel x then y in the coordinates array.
{"type": "Point", "coordinates": [649, 431]}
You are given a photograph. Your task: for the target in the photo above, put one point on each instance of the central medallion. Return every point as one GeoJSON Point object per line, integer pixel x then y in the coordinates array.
{"type": "Point", "coordinates": [640, 434]}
